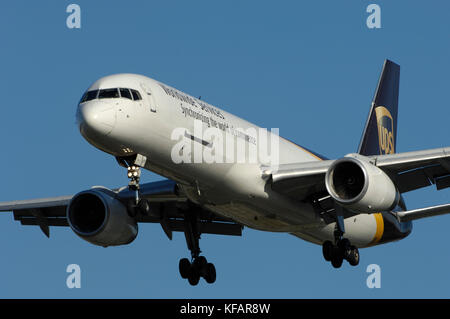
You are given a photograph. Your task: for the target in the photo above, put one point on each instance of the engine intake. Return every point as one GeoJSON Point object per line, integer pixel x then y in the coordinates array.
{"type": "Point", "coordinates": [87, 213]}
{"type": "Point", "coordinates": [355, 183]}
{"type": "Point", "coordinates": [97, 217]}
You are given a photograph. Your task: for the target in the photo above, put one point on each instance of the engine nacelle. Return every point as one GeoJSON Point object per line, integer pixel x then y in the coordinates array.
{"type": "Point", "coordinates": [97, 217]}
{"type": "Point", "coordinates": [360, 186]}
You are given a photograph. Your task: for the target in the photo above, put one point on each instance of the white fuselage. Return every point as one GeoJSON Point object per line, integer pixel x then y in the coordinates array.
{"type": "Point", "coordinates": [237, 190]}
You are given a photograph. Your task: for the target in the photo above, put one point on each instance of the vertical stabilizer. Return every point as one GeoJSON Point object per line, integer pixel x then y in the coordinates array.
{"type": "Point", "coordinates": [379, 136]}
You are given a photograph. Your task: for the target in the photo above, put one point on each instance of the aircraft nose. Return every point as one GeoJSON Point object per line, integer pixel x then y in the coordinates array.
{"type": "Point", "coordinates": [96, 117]}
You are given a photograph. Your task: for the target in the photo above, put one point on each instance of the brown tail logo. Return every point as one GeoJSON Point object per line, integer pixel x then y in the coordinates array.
{"type": "Point", "coordinates": [385, 125]}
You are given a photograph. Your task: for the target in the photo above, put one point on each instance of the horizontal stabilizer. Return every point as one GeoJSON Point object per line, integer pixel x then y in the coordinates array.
{"type": "Point", "coordinates": [423, 212]}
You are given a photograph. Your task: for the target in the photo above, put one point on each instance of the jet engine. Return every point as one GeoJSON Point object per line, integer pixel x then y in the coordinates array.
{"type": "Point", "coordinates": [99, 218]}
{"type": "Point", "coordinates": [355, 183]}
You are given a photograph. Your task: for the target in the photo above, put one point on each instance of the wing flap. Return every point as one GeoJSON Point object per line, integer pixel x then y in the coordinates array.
{"type": "Point", "coordinates": [412, 180]}
{"type": "Point", "coordinates": [414, 170]}
{"type": "Point", "coordinates": [443, 182]}
{"type": "Point", "coordinates": [43, 212]}
{"type": "Point", "coordinates": [300, 180]}
{"type": "Point", "coordinates": [53, 221]}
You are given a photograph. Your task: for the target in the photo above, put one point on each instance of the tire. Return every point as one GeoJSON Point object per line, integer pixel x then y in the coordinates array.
{"type": "Point", "coordinates": [200, 262]}
{"type": "Point", "coordinates": [327, 248]}
{"type": "Point", "coordinates": [337, 257]}
{"type": "Point", "coordinates": [210, 275]}
{"type": "Point", "coordinates": [131, 209]}
{"type": "Point", "coordinates": [185, 268]}
{"type": "Point", "coordinates": [344, 244]}
{"type": "Point", "coordinates": [194, 277]}
{"type": "Point", "coordinates": [354, 256]}
{"type": "Point", "coordinates": [143, 207]}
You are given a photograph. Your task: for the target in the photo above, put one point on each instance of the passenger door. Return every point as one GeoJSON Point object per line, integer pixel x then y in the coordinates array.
{"type": "Point", "coordinates": [148, 98]}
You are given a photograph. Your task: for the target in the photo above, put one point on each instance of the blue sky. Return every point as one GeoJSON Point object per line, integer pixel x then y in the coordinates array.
{"type": "Point", "coordinates": [308, 68]}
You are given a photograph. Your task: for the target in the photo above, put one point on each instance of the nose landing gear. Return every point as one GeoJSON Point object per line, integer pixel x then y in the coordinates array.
{"type": "Point", "coordinates": [139, 205]}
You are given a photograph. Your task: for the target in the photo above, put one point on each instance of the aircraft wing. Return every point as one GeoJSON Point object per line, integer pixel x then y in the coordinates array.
{"type": "Point", "coordinates": [167, 204]}
{"type": "Point", "coordinates": [418, 169]}
{"type": "Point", "coordinates": [409, 171]}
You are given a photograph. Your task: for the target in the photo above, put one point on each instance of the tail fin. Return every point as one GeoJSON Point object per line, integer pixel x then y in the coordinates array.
{"type": "Point", "coordinates": [379, 136]}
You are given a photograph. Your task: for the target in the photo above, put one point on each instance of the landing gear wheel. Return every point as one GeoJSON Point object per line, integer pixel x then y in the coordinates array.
{"type": "Point", "coordinates": [131, 209]}
{"type": "Point", "coordinates": [353, 256]}
{"type": "Point", "coordinates": [327, 248]}
{"type": "Point", "coordinates": [185, 268]}
{"type": "Point", "coordinates": [210, 273]}
{"type": "Point", "coordinates": [143, 207]}
{"type": "Point", "coordinates": [344, 244]}
{"type": "Point", "coordinates": [194, 277]}
{"type": "Point", "coordinates": [337, 257]}
{"type": "Point", "coordinates": [200, 263]}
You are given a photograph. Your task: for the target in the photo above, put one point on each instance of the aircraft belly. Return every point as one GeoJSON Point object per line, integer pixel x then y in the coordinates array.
{"type": "Point", "coordinates": [271, 212]}
{"type": "Point", "coordinates": [249, 217]}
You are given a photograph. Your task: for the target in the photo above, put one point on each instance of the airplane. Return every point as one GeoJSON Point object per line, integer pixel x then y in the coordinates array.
{"type": "Point", "coordinates": [340, 204]}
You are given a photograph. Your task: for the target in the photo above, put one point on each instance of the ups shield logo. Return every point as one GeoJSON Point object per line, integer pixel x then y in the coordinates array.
{"type": "Point", "coordinates": [385, 125]}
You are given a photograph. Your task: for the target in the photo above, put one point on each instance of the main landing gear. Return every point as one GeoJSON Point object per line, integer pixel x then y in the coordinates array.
{"type": "Point", "coordinates": [342, 248]}
{"type": "Point", "coordinates": [198, 266]}
{"type": "Point", "coordinates": [336, 253]}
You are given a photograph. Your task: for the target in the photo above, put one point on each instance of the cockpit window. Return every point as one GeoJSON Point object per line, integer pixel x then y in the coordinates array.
{"type": "Point", "coordinates": [111, 94]}
{"type": "Point", "coordinates": [108, 94]}
{"type": "Point", "coordinates": [136, 95]}
{"type": "Point", "coordinates": [90, 95]}
{"type": "Point", "coordinates": [125, 93]}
